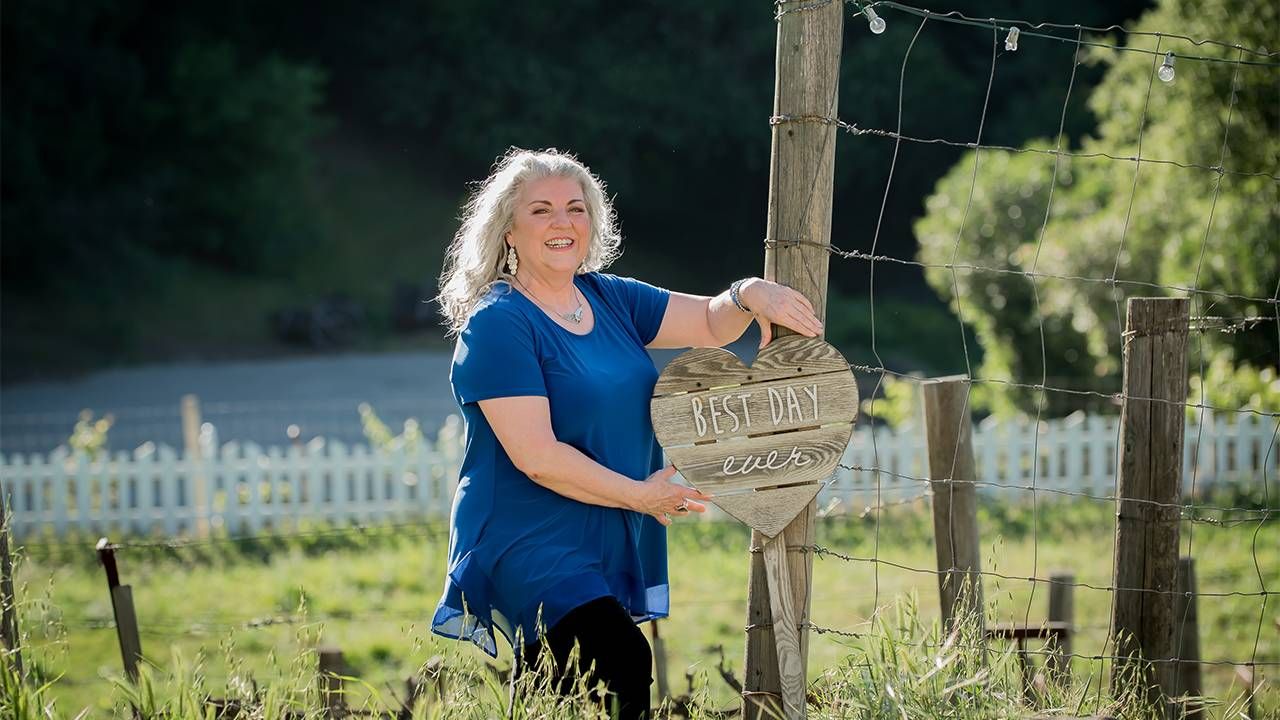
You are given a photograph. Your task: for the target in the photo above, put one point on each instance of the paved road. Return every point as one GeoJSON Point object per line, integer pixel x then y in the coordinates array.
{"type": "Point", "coordinates": [248, 401]}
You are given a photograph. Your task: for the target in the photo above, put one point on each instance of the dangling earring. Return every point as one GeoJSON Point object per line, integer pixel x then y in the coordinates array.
{"type": "Point", "coordinates": [513, 262]}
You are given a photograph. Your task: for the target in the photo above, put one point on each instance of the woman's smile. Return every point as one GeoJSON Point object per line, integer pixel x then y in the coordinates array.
{"type": "Point", "coordinates": [551, 227]}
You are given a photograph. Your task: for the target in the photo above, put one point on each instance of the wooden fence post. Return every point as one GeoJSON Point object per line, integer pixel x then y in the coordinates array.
{"type": "Point", "coordinates": [122, 609]}
{"type": "Point", "coordinates": [659, 662]}
{"type": "Point", "coordinates": [948, 432]}
{"type": "Point", "coordinates": [193, 454]}
{"type": "Point", "coordinates": [801, 172]}
{"type": "Point", "coordinates": [1245, 675]}
{"type": "Point", "coordinates": [1188, 640]}
{"type": "Point", "coordinates": [1062, 608]}
{"type": "Point", "coordinates": [1149, 487]}
{"type": "Point", "coordinates": [331, 669]}
{"type": "Point", "coordinates": [8, 601]}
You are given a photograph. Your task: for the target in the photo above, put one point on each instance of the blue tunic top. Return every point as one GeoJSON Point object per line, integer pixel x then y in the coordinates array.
{"type": "Point", "coordinates": [517, 549]}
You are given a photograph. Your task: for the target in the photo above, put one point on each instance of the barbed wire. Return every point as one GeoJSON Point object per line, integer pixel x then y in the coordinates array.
{"type": "Point", "coordinates": [854, 129]}
{"type": "Point", "coordinates": [1031, 30]}
{"type": "Point", "coordinates": [854, 634]}
{"type": "Point", "coordinates": [436, 527]}
{"type": "Point", "coordinates": [998, 24]}
{"type": "Point", "coordinates": [1117, 396]}
{"type": "Point", "coordinates": [859, 255]}
{"type": "Point", "coordinates": [1184, 507]}
{"type": "Point", "coordinates": [820, 551]}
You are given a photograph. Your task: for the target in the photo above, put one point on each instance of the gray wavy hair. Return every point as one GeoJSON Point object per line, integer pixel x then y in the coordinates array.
{"type": "Point", "coordinates": [476, 258]}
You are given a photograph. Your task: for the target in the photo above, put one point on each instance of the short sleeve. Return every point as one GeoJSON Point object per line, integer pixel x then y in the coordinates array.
{"type": "Point", "coordinates": [496, 356]}
{"type": "Point", "coordinates": [646, 303]}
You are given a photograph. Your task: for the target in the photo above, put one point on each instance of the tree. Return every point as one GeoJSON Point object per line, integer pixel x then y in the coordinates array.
{"type": "Point", "coordinates": [131, 138]}
{"type": "Point", "coordinates": [1155, 229]}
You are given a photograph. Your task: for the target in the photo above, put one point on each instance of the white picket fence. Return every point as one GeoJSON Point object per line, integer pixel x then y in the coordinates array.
{"type": "Point", "coordinates": [249, 489]}
{"type": "Point", "coordinates": [1059, 458]}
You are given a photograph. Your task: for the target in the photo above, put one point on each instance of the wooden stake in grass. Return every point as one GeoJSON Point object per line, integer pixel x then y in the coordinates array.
{"type": "Point", "coordinates": [948, 432]}
{"type": "Point", "coordinates": [122, 608]}
{"type": "Point", "coordinates": [1148, 490]}
{"type": "Point", "coordinates": [801, 171]}
{"type": "Point", "coordinates": [1062, 609]}
{"type": "Point", "coordinates": [659, 662]}
{"type": "Point", "coordinates": [330, 681]}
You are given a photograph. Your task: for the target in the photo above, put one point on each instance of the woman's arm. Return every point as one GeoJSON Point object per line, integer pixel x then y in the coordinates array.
{"type": "Point", "coordinates": [523, 426]}
{"type": "Point", "coordinates": [699, 321]}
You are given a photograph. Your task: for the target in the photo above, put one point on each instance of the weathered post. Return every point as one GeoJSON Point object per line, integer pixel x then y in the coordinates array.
{"type": "Point", "coordinates": [659, 661]}
{"type": "Point", "coordinates": [1188, 640]}
{"type": "Point", "coordinates": [1062, 609]}
{"type": "Point", "coordinates": [948, 432]}
{"type": "Point", "coordinates": [1148, 490]}
{"type": "Point", "coordinates": [801, 170]}
{"type": "Point", "coordinates": [331, 669]}
{"type": "Point", "coordinates": [122, 609]}
{"type": "Point", "coordinates": [9, 603]}
{"type": "Point", "coordinates": [193, 454]}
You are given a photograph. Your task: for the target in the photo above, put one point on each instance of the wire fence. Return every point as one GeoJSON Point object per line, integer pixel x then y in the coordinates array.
{"type": "Point", "coordinates": [1074, 35]}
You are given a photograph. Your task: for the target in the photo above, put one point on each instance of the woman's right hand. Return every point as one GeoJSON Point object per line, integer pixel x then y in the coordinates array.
{"type": "Point", "coordinates": [660, 497]}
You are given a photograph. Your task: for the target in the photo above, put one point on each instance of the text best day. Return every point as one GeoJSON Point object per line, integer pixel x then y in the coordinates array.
{"type": "Point", "coordinates": [731, 412]}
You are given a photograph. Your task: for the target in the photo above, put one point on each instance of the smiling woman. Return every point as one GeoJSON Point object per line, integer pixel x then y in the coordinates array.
{"type": "Point", "coordinates": [558, 530]}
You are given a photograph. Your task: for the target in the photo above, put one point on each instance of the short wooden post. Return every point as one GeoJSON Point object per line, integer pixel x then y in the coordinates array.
{"type": "Point", "coordinates": [1244, 674]}
{"type": "Point", "coordinates": [1148, 490]}
{"type": "Point", "coordinates": [431, 682]}
{"type": "Point", "coordinates": [331, 670]}
{"type": "Point", "coordinates": [1188, 640]}
{"type": "Point", "coordinates": [948, 432]}
{"type": "Point", "coordinates": [785, 629]}
{"type": "Point", "coordinates": [659, 661]}
{"type": "Point", "coordinates": [798, 230]}
{"type": "Point", "coordinates": [1062, 608]}
{"type": "Point", "coordinates": [9, 602]}
{"type": "Point", "coordinates": [193, 454]}
{"type": "Point", "coordinates": [122, 609]}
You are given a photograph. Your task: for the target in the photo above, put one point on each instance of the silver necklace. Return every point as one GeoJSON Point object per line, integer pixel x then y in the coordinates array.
{"type": "Point", "coordinates": [574, 317]}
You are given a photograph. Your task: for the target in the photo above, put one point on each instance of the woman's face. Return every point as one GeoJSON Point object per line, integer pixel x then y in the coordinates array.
{"type": "Point", "coordinates": [551, 230]}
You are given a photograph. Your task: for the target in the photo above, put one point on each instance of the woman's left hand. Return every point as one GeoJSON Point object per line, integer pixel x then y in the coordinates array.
{"type": "Point", "coordinates": [772, 304]}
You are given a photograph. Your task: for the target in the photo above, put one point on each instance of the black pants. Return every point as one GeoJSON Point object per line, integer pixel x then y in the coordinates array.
{"type": "Point", "coordinates": [606, 636]}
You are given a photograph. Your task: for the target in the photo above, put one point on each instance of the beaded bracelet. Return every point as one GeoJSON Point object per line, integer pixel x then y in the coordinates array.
{"type": "Point", "coordinates": [735, 294]}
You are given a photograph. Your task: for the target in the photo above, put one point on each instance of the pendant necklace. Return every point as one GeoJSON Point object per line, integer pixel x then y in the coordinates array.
{"type": "Point", "coordinates": [574, 317]}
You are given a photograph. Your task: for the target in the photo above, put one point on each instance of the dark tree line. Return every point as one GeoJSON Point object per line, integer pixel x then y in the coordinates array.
{"type": "Point", "coordinates": [142, 136]}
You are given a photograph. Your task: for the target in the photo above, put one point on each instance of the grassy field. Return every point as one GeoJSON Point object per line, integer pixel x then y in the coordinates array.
{"type": "Point", "coordinates": [222, 617]}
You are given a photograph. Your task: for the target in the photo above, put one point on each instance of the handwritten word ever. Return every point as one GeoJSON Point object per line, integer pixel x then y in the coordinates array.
{"type": "Point", "coordinates": [715, 412]}
{"type": "Point", "coordinates": [752, 463]}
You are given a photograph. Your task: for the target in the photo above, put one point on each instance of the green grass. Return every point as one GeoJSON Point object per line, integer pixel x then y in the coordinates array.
{"type": "Point", "coordinates": [217, 618]}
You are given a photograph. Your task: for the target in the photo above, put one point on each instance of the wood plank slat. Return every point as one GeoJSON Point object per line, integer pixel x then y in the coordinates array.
{"type": "Point", "coordinates": [778, 361]}
{"type": "Point", "coordinates": [755, 408]}
{"type": "Point", "coordinates": [799, 457]}
{"type": "Point", "coordinates": [785, 630]}
{"type": "Point", "coordinates": [769, 511]}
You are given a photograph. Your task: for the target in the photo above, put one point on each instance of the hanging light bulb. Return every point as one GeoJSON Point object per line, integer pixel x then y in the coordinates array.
{"type": "Point", "coordinates": [1011, 40]}
{"type": "Point", "coordinates": [874, 21]}
{"type": "Point", "coordinates": [1165, 73]}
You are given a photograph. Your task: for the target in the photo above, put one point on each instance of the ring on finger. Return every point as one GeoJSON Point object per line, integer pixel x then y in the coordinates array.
{"type": "Point", "coordinates": [683, 506]}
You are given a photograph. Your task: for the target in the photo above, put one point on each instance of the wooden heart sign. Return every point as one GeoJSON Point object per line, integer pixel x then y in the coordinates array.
{"type": "Point", "coordinates": [760, 438]}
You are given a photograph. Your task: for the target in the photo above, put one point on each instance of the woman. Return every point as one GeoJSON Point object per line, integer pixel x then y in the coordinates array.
{"type": "Point", "coordinates": [558, 525]}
